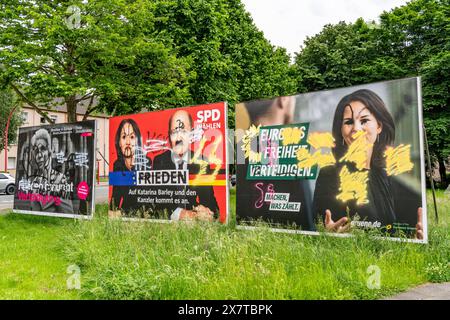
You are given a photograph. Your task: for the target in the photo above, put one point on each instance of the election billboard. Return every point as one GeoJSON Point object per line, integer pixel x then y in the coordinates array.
{"type": "Point", "coordinates": [334, 161]}
{"type": "Point", "coordinates": [56, 170]}
{"type": "Point", "coordinates": [170, 165]}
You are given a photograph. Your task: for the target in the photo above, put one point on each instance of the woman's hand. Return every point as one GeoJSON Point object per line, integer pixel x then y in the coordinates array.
{"type": "Point", "coordinates": [419, 225]}
{"type": "Point", "coordinates": [339, 226]}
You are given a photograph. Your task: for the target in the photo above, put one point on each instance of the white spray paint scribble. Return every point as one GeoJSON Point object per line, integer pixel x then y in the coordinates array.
{"type": "Point", "coordinates": [81, 159]}
{"type": "Point", "coordinates": [60, 157]}
{"type": "Point", "coordinates": [155, 145]}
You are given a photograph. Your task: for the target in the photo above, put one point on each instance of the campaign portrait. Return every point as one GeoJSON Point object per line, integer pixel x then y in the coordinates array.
{"type": "Point", "coordinates": [170, 165]}
{"type": "Point", "coordinates": [56, 169]}
{"type": "Point", "coordinates": [335, 161]}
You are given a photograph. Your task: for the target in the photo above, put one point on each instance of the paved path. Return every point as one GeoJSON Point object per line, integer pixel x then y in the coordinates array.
{"type": "Point", "coordinates": [429, 291]}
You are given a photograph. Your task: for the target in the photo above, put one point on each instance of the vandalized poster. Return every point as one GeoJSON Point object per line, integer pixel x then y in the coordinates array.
{"type": "Point", "coordinates": [170, 164]}
{"type": "Point", "coordinates": [334, 161]}
{"type": "Point", "coordinates": [55, 170]}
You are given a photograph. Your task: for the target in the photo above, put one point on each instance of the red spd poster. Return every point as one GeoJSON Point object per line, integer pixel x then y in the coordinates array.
{"type": "Point", "coordinates": [170, 164]}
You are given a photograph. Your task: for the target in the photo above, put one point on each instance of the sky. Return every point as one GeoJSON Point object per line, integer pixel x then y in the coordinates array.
{"type": "Point", "coordinates": [287, 23]}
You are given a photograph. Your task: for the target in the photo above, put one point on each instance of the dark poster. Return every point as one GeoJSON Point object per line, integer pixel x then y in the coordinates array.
{"type": "Point", "coordinates": [55, 170]}
{"type": "Point", "coordinates": [335, 160]}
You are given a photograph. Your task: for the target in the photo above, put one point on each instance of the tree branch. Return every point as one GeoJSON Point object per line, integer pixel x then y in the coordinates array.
{"type": "Point", "coordinates": [90, 108]}
{"type": "Point", "coordinates": [31, 103]}
{"type": "Point", "coordinates": [86, 96]}
{"type": "Point", "coordinates": [58, 62]}
{"type": "Point", "coordinates": [50, 70]}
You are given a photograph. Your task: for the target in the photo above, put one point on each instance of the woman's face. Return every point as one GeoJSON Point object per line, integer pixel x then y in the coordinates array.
{"type": "Point", "coordinates": [356, 118]}
{"type": "Point", "coordinates": [127, 140]}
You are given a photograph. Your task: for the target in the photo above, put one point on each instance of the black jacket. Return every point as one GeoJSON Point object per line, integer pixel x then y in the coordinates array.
{"type": "Point", "coordinates": [390, 201]}
{"type": "Point", "coordinates": [203, 195]}
{"type": "Point", "coordinates": [379, 208]}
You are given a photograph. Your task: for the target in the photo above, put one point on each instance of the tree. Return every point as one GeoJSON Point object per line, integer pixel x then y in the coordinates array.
{"type": "Point", "coordinates": [343, 55]}
{"type": "Point", "coordinates": [134, 54]}
{"type": "Point", "coordinates": [436, 104]}
{"type": "Point", "coordinates": [411, 40]}
{"type": "Point", "coordinates": [102, 52]}
{"type": "Point", "coordinates": [229, 58]}
{"type": "Point", "coordinates": [8, 104]}
{"type": "Point", "coordinates": [419, 38]}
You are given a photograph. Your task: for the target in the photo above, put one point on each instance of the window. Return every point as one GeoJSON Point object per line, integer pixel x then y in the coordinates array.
{"type": "Point", "coordinates": [24, 116]}
{"type": "Point", "coordinates": [11, 162]}
{"type": "Point", "coordinates": [2, 176]}
{"type": "Point", "coordinates": [53, 117]}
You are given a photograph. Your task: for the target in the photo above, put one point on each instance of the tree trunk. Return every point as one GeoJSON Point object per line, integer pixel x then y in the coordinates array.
{"type": "Point", "coordinates": [71, 101]}
{"type": "Point", "coordinates": [442, 172]}
{"type": "Point", "coordinates": [71, 104]}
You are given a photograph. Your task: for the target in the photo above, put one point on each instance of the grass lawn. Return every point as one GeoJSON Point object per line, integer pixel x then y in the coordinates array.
{"type": "Point", "coordinates": [141, 260]}
{"type": "Point", "coordinates": [32, 264]}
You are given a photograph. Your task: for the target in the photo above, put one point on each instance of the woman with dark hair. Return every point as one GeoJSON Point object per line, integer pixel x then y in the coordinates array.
{"type": "Point", "coordinates": [128, 142]}
{"type": "Point", "coordinates": [130, 157]}
{"type": "Point", "coordinates": [362, 110]}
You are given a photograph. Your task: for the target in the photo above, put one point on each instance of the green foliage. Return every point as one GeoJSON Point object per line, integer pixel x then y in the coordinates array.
{"type": "Point", "coordinates": [438, 272]}
{"type": "Point", "coordinates": [338, 56]}
{"type": "Point", "coordinates": [131, 55]}
{"type": "Point", "coordinates": [33, 266]}
{"type": "Point", "coordinates": [134, 260]}
{"type": "Point", "coordinates": [420, 39]}
{"type": "Point", "coordinates": [8, 102]}
{"type": "Point", "coordinates": [411, 40]}
{"type": "Point", "coordinates": [229, 58]}
{"type": "Point", "coordinates": [78, 50]}
{"type": "Point", "coordinates": [436, 102]}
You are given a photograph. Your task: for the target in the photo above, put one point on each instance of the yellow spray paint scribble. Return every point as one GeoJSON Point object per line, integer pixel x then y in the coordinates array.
{"type": "Point", "coordinates": [195, 159]}
{"type": "Point", "coordinates": [213, 160]}
{"type": "Point", "coordinates": [353, 186]}
{"type": "Point", "coordinates": [321, 140]}
{"type": "Point", "coordinates": [357, 151]}
{"type": "Point", "coordinates": [324, 159]}
{"type": "Point", "coordinates": [291, 135]}
{"type": "Point", "coordinates": [201, 177]}
{"type": "Point", "coordinates": [398, 160]}
{"type": "Point", "coordinates": [306, 160]}
{"type": "Point", "coordinates": [317, 140]}
{"type": "Point", "coordinates": [250, 134]}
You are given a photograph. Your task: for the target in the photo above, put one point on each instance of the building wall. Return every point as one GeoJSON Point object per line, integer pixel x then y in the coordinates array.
{"type": "Point", "coordinates": [32, 118]}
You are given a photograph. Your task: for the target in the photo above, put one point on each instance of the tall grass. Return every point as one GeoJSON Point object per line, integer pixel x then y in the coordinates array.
{"type": "Point", "coordinates": [142, 260]}
{"type": "Point", "coordinates": [32, 265]}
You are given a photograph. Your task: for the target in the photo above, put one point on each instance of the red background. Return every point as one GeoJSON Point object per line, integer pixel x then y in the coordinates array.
{"type": "Point", "coordinates": [155, 125]}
